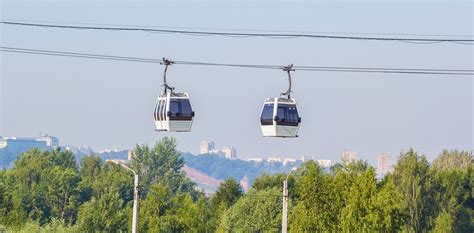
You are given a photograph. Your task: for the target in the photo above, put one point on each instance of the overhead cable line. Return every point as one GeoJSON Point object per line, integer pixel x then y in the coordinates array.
{"type": "Point", "coordinates": [240, 29]}
{"type": "Point", "coordinates": [273, 67]}
{"type": "Point", "coordinates": [242, 34]}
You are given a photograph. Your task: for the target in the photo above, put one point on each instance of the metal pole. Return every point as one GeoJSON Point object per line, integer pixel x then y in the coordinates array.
{"type": "Point", "coordinates": [136, 194]}
{"type": "Point", "coordinates": [284, 217]}
{"type": "Point", "coordinates": [284, 214]}
{"type": "Point", "coordinates": [288, 69]}
{"type": "Point", "coordinates": [135, 204]}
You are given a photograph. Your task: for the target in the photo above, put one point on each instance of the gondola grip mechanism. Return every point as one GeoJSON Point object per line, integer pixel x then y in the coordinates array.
{"type": "Point", "coordinates": [288, 69]}
{"type": "Point", "coordinates": [167, 63]}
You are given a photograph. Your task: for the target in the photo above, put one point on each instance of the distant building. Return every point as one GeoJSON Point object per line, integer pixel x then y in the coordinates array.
{"type": "Point", "coordinates": [50, 140]}
{"type": "Point", "coordinates": [302, 159]}
{"type": "Point", "coordinates": [12, 147]}
{"type": "Point", "coordinates": [81, 150]}
{"type": "Point", "coordinates": [229, 152]}
{"type": "Point", "coordinates": [209, 147]}
{"type": "Point", "coordinates": [384, 164]}
{"type": "Point", "coordinates": [18, 145]}
{"type": "Point", "coordinates": [288, 161]}
{"type": "Point", "coordinates": [244, 183]}
{"type": "Point", "coordinates": [131, 154]}
{"type": "Point", "coordinates": [274, 159]}
{"type": "Point", "coordinates": [325, 163]}
{"type": "Point", "coordinates": [206, 146]}
{"type": "Point", "coordinates": [256, 160]}
{"type": "Point", "coordinates": [349, 156]}
{"type": "Point", "coordinates": [217, 152]}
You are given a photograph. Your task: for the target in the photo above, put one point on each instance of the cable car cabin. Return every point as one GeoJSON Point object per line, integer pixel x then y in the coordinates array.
{"type": "Point", "coordinates": [173, 112]}
{"type": "Point", "coordinates": [280, 118]}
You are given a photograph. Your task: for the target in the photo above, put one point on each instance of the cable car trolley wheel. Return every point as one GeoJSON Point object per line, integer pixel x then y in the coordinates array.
{"type": "Point", "coordinates": [280, 116]}
{"type": "Point", "coordinates": [173, 111]}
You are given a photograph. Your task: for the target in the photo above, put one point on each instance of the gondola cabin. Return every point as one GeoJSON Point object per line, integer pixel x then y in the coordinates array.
{"type": "Point", "coordinates": [280, 118]}
{"type": "Point", "coordinates": [173, 112]}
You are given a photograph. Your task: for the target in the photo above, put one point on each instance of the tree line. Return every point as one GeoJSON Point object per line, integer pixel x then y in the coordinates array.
{"type": "Point", "coordinates": [50, 192]}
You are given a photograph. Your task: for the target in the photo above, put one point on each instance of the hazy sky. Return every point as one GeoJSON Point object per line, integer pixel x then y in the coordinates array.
{"type": "Point", "coordinates": [109, 104]}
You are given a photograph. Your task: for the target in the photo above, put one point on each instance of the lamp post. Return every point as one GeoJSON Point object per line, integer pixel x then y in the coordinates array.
{"type": "Point", "coordinates": [284, 216]}
{"type": "Point", "coordinates": [135, 194]}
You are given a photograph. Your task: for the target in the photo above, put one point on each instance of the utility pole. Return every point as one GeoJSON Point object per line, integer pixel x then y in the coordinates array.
{"type": "Point", "coordinates": [136, 193]}
{"type": "Point", "coordinates": [284, 215]}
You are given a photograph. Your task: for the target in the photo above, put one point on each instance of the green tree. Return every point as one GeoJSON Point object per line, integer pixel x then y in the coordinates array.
{"type": "Point", "coordinates": [227, 193]}
{"type": "Point", "coordinates": [163, 211]}
{"type": "Point", "coordinates": [105, 213]}
{"type": "Point", "coordinates": [314, 209]}
{"type": "Point", "coordinates": [111, 194]}
{"type": "Point", "coordinates": [185, 215]}
{"type": "Point", "coordinates": [358, 214]}
{"type": "Point", "coordinates": [412, 178]}
{"type": "Point", "coordinates": [225, 196]}
{"type": "Point", "coordinates": [389, 215]}
{"type": "Point", "coordinates": [453, 197]}
{"type": "Point", "coordinates": [452, 159]}
{"type": "Point", "coordinates": [55, 226]}
{"type": "Point", "coordinates": [266, 181]}
{"type": "Point", "coordinates": [42, 185]}
{"type": "Point", "coordinates": [444, 223]}
{"type": "Point", "coordinates": [257, 211]}
{"type": "Point", "coordinates": [155, 205]}
{"type": "Point", "coordinates": [62, 194]}
{"type": "Point", "coordinates": [452, 187]}
{"type": "Point", "coordinates": [113, 178]}
{"type": "Point", "coordinates": [4, 198]}
{"type": "Point", "coordinates": [162, 164]}
{"type": "Point", "coordinates": [90, 170]}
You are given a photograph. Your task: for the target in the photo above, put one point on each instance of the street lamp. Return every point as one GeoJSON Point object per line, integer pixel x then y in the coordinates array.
{"type": "Point", "coordinates": [135, 193]}
{"type": "Point", "coordinates": [284, 216]}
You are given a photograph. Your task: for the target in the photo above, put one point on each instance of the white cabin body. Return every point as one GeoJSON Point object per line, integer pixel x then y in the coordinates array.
{"type": "Point", "coordinates": [280, 118]}
{"type": "Point", "coordinates": [173, 112]}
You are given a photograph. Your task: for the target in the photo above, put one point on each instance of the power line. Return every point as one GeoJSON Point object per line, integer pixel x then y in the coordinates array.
{"type": "Point", "coordinates": [240, 29]}
{"type": "Point", "coordinates": [273, 67]}
{"type": "Point", "coordinates": [243, 34]}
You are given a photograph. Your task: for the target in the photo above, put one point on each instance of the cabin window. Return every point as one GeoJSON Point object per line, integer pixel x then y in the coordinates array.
{"type": "Point", "coordinates": [267, 115]}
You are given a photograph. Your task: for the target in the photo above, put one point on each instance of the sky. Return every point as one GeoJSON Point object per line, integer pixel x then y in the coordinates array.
{"type": "Point", "coordinates": [109, 104]}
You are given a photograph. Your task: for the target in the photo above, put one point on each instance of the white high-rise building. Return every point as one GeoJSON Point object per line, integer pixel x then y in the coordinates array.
{"type": "Point", "coordinates": [288, 161]}
{"type": "Point", "coordinates": [229, 152]}
{"type": "Point", "coordinates": [244, 183]}
{"type": "Point", "coordinates": [325, 163]}
{"type": "Point", "coordinates": [349, 156]}
{"type": "Point", "coordinates": [50, 140]}
{"type": "Point", "coordinates": [384, 164]}
{"type": "Point", "coordinates": [206, 146]}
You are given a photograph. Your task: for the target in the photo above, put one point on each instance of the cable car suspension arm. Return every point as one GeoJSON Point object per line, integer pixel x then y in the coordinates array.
{"type": "Point", "coordinates": [288, 69]}
{"type": "Point", "coordinates": [167, 63]}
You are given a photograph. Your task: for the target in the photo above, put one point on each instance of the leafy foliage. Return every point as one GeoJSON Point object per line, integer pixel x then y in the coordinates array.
{"type": "Point", "coordinates": [47, 191]}
{"type": "Point", "coordinates": [313, 211]}
{"type": "Point", "coordinates": [103, 213]}
{"type": "Point", "coordinates": [257, 211]}
{"type": "Point", "coordinates": [227, 194]}
{"type": "Point", "coordinates": [161, 164]}
{"type": "Point", "coordinates": [413, 180]}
